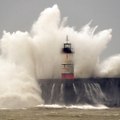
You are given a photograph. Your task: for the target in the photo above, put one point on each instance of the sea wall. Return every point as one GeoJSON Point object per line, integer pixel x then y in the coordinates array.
{"type": "Point", "coordinates": [91, 91]}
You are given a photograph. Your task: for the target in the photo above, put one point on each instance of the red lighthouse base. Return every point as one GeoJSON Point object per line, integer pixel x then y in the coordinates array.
{"type": "Point", "coordinates": [68, 76]}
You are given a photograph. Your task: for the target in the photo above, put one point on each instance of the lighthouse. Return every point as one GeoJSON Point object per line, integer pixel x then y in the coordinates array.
{"type": "Point", "coordinates": [67, 72]}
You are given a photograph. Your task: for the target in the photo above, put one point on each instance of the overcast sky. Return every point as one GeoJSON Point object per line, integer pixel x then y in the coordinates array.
{"type": "Point", "coordinates": [20, 15]}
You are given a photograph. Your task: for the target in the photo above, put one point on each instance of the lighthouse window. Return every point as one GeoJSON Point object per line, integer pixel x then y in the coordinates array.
{"type": "Point", "coordinates": [67, 46]}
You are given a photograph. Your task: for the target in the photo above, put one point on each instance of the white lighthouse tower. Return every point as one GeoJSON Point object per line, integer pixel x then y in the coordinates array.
{"type": "Point", "coordinates": [67, 61]}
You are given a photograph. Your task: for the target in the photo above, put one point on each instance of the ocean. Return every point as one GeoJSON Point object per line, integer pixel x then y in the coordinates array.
{"type": "Point", "coordinates": [61, 113]}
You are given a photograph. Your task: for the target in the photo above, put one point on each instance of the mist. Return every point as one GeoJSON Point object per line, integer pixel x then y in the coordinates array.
{"type": "Point", "coordinates": [30, 56]}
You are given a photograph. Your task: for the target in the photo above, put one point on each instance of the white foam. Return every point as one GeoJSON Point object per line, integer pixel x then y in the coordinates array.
{"type": "Point", "coordinates": [75, 106]}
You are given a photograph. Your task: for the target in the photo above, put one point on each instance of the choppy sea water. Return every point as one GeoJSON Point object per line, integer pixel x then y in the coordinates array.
{"type": "Point", "coordinates": [56, 112]}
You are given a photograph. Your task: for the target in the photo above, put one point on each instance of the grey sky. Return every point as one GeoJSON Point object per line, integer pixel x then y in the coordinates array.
{"type": "Point", "coordinates": [20, 15]}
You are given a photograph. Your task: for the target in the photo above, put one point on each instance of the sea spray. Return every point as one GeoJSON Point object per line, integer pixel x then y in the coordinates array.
{"type": "Point", "coordinates": [18, 87]}
{"type": "Point", "coordinates": [49, 34]}
{"type": "Point", "coordinates": [27, 57]}
{"type": "Point", "coordinates": [110, 67]}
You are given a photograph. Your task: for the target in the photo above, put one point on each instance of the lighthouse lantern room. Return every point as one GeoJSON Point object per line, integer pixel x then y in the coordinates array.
{"type": "Point", "coordinates": [67, 61]}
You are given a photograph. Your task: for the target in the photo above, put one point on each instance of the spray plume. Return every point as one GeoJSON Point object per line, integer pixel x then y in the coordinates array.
{"type": "Point", "coordinates": [110, 67]}
{"type": "Point", "coordinates": [26, 57]}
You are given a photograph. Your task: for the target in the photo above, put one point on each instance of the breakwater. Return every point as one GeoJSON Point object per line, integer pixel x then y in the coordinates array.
{"type": "Point", "coordinates": [91, 91]}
